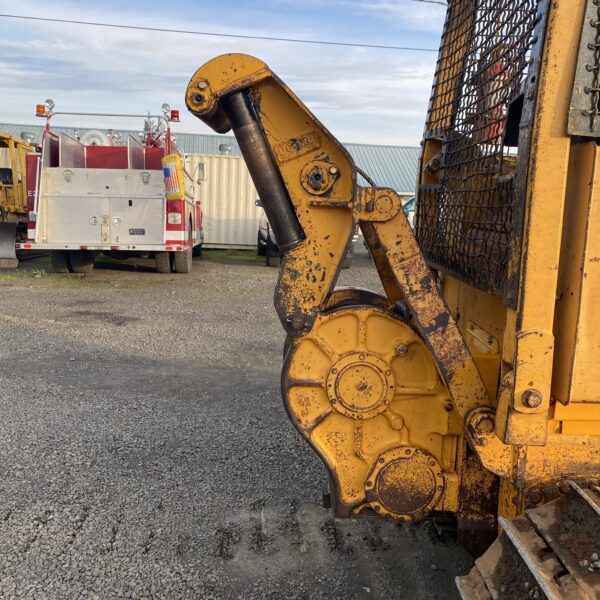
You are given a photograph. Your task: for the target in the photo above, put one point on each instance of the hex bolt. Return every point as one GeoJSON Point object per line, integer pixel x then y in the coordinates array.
{"type": "Point", "coordinates": [333, 170]}
{"type": "Point", "coordinates": [533, 498]}
{"type": "Point", "coordinates": [297, 323]}
{"type": "Point", "coordinates": [531, 398]}
{"type": "Point", "coordinates": [401, 350]}
{"type": "Point", "coordinates": [202, 85]}
{"type": "Point", "coordinates": [485, 425]}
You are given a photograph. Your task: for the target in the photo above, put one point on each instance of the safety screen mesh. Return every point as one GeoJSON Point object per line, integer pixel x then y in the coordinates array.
{"type": "Point", "coordinates": [466, 222]}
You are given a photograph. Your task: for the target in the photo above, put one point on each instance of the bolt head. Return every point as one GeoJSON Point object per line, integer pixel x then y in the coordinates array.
{"type": "Point", "coordinates": [297, 323]}
{"type": "Point", "coordinates": [333, 170]}
{"type": "Point", "coordinates": [486, 425]}
{"type": "Point", "coordinates": [532, 398]}
{"type": "Point", "coordinates": [202, 85]}
{"type": "Point", "coordinates": [401, 350]}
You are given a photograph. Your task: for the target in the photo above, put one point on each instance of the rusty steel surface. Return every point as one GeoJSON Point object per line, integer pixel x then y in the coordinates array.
{"type": "Point", "coordinates": [552, 551]}
{"type": "Point", "coordinates": [468, 224]}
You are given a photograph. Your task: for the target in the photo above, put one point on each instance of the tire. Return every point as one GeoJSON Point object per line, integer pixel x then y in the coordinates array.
{"type": "Point", "coordinates": [60, 261]}
{"type": "Point", "coordinates": [82, 261]}
{"type": "Point", "coordinates": [261, 249]}
{"type": "Point", "coordinates": [163, 261]}
{"type": "Point", "coordinates": [272, 254]}
{"type": "Point", "coordinates": [183, 259]}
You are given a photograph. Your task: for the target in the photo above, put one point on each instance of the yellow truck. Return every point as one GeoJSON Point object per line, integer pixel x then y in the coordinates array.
{"type": "Point", "coordinates": [13, 196]}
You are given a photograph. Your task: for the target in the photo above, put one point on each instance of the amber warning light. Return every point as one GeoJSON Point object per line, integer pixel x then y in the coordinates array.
{"type": "Point", "coordinates": [174, 116]}
{"type": "Point", "coordinates": [40, 110]}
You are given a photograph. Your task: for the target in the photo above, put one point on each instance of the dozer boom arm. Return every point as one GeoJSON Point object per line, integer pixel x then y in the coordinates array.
{"type": "Point", "coordinates": [468, 388]}
{"type": "Point", "coordinates": [307, 183]}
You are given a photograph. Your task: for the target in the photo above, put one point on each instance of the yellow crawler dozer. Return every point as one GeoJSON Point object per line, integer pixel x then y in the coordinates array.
{"type": "Point", "coordinates": [470, 387]}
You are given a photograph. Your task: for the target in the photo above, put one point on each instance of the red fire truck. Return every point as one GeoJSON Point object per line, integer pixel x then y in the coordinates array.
{"type": "Point", "coordinates": [95, 194]}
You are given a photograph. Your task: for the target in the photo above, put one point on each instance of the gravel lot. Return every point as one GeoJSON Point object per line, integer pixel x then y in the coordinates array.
{"type": "Point", "coordinates": [145, 451]}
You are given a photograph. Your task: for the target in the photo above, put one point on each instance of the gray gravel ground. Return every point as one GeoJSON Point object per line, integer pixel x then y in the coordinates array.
{"type": "Point", "coordinates": [145, 451]}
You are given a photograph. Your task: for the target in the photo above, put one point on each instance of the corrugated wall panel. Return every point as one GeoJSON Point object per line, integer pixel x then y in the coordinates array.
{"type": "Point", "coordinates": [228, 201]}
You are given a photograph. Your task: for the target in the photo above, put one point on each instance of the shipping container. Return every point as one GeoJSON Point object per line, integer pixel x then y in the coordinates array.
{"type": "Point", "coordinates": [230, 215]}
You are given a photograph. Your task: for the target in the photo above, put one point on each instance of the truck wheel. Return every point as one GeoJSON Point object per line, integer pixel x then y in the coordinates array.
{"type": "Point", "coordinates": [82, 261]}
{"type": "Point", "coordinates": [183, 260]}
{"type": "Point", "coordinates": [60, 261]}
{"type": "Point", "coordinates": [163, 262]}
{"type": "Point", "coordinates": [273, 256]}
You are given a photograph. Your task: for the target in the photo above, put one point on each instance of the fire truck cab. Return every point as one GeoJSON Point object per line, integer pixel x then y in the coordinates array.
{"type": "Point", "coordinates": [94, 194]}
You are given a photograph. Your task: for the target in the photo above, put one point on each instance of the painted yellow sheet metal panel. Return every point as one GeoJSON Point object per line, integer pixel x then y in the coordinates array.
{"type": "Point", "coordinates": [584, 284]}
{"type": "Point", "coordinates": [570, 283]}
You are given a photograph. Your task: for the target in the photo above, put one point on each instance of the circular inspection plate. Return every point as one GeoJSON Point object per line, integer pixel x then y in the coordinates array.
{"type": "Point", "coordinates": [405, 483]}
{"type": "Point", "coordinates": [360, 385]}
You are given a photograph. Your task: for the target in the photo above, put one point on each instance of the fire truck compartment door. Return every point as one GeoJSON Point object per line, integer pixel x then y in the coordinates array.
{"type": "Point", "coordinates": [137, 221]}
{"type": "Point", "coordinates": [101, 206]}
{"type": "Point", "coordinates": [74, 220]}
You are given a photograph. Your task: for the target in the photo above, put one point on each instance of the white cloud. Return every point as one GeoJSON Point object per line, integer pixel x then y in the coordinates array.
{"type": "Point", "coordinates": [361, 95]}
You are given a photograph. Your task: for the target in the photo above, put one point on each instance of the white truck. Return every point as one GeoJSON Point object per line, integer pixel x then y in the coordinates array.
{"type": "Point", "coordinates": [92, 195]}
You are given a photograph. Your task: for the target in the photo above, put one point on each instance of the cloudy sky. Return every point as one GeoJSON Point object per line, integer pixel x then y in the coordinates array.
{"type": "Point", "coordinates": [361, 95]}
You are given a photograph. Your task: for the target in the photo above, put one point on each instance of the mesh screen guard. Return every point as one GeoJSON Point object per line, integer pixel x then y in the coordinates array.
{"type": "Point", "coordinates": [470, 223]}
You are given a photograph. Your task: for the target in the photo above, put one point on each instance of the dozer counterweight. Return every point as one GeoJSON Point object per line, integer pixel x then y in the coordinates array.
{"type": "Point", "coordinates": [470, 387]}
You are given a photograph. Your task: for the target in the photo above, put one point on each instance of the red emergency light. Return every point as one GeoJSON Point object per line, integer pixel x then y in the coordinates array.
{"type": "Point", "coordinates": [174, 116]}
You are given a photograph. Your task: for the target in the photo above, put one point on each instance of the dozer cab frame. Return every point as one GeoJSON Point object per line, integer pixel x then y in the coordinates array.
{"type": "Point", "coordinates": [470, 387]}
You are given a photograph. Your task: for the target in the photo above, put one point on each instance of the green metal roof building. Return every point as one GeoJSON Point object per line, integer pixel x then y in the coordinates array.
{"type": "Point", "coordinates": [387, 166]}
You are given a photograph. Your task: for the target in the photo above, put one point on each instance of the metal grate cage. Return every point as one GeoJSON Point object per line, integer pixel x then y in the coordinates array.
{"type": "Point", "coordinates": [466, 221]}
